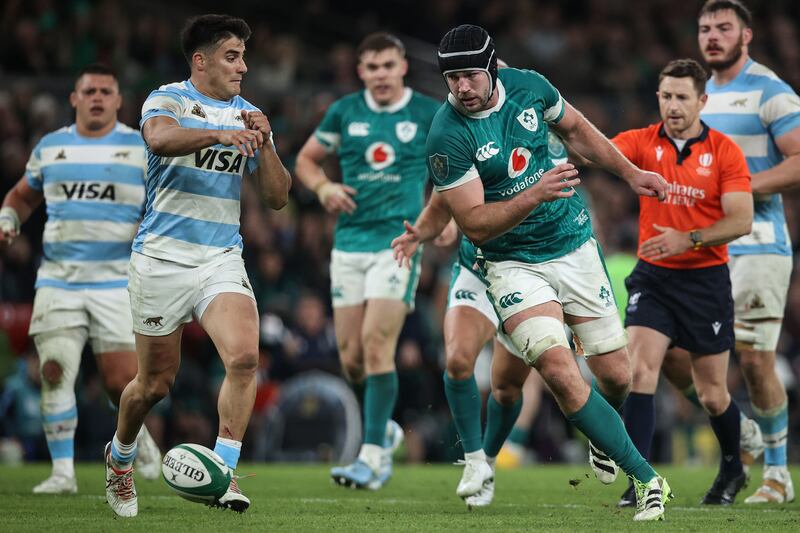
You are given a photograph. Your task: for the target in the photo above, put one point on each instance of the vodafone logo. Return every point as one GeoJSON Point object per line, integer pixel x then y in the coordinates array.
{"type": "Point", "coordinates": [518, 162]}
{"type": "Point", "coordinates": [379, 155]}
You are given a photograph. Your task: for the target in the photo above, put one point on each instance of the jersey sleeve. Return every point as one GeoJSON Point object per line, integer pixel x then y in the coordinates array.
{"type": "Point", "coordinates": [554, 104]}
{"type": "Point", "coordinates": [329, 131]}
{"type": "Point", "coordinates": [449, 159]}
{"type": "Point", "coordinates": [33, 169]}
{"type": "Point", "coordinates": [734, 175]}
{"type": "Point", "coordinates": [779, 109]}
{"type": "Point", "coordinates": [628, 143]}
{"type": "Point", "coordinates": [163, 102]}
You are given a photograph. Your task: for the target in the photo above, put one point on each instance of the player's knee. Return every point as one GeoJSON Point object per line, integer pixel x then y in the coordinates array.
{"type": "Point", "coordinates": [506, 394]}
{"type": "Point", "coordinates": [156, 388]}
{"type": "Point", "coordinates": [616, 384]}
{"type": "Point", "coordinates": [460, 364]}
{"type": "Point", "coordinates": [243, 361]}
{"type": "Point", "coordinates": [536, 335]}
{"type": "Point", "coordinates": [715, 402]}
{"type": "Point", "coordinates": [52, 372]}
{"type": "Point", "coordinates": [353, 370]}
{"type": "Point", "coordinates": [645, 373]}
{"type": "Point", "coordinates": [376, 347]}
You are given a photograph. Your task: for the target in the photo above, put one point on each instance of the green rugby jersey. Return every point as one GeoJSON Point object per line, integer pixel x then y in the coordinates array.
{"type": "Point", "coordinates": [381, 151]}
{"type": "Point", "coordinates": [468, 252]}
{"type": "Point", "coordinates": [507, 148]}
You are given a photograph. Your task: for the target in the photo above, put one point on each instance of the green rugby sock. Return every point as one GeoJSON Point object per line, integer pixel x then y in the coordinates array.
{"type": "Point", "coordinates": [500, 420]}
{"type": "Point", "coordinates": [380, 396]}
{"type": "Point", "coordinates": [519, 436]}
{"type": "Point", "coordinates": [603, 426]}
{"type": "Point", "coordinates": [464, 400]}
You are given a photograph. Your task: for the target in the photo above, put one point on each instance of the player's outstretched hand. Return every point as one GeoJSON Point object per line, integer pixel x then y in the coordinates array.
{"type": "Point", "coordinates": [551, 185]}
{"type": "Point", "coordinates": [448, 235]}
{"type": "Point", "coordinates": [246, 141]}
{"type": "Point", "coordinates": [668, 243]}
{"type": "Point", "coordinates": [646, 183]}
{"type": "Point", "coordinates": [256, 120]}
{"type": "Point", "coordinates": [336, 197]}
{"type": "Point", "coordinates": [405, 246]}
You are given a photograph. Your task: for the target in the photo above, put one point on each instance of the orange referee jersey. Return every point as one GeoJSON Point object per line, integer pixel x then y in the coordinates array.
{"type": "Point", "coordinates": [697, 176]}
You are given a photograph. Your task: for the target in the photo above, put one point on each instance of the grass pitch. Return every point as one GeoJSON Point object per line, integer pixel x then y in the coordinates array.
{"type": "Point", "coordinates": [418, 498]}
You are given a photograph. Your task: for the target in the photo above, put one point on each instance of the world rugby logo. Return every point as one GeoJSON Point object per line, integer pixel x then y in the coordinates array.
{"type": "Point", "coordinates": [379, 155]}
{"type": "Point", "coordinates": [518, 162]}
{"type": "Point", "coordinates": [706, 159]}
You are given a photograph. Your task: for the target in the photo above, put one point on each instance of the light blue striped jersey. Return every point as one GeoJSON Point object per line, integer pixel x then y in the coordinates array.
{"type": "Point", "coordinates": [754, 109]}
{"type": "Point", "coordinates": [192, 212]}
{"type": "Point", "coordinates": [94, 192]}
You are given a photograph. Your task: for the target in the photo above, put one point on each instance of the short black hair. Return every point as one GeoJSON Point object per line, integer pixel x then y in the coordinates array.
{"type": "Point", "coordinates": [738, 7]}
{"type": "Point", "coordinates": [207, 31]}
{"type": "Point", "coordinates": [686, 68]}
{"type": "Point", "coordinates": [97, 68]}
{"type": "Point", "coordinates": [379, 41]}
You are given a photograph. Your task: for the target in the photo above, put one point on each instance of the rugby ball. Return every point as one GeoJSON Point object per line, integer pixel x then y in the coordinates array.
{"type": "Point", "coordinates": [196, 473]}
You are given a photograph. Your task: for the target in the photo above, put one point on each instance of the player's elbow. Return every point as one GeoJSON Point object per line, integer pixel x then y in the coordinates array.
{"type": "Point", "coordinates": [745, 226]}
{"type": "Point", "coordinates": [157, 145]}
{"type": "Point", "coordinates": [478, 236]}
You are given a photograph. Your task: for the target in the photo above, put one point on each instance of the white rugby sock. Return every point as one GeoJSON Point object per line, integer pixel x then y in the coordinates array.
{"type": "Point", "coordinates": [371, 454]}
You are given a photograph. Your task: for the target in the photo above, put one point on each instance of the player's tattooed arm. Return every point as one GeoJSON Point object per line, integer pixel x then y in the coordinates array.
{"type": "Point", "coordinates": [18, 205]}
{"type": "Point", "coordinates": [167, 138]}
{"type": "Point", "coordinates": [273, 177]}
{"type": "Point", "coordinates": [335, 197]}
{"type": "Point", "coordinates": [482, 221]}
{"type": "Point", "coordinates": [784, 176]}
{"type": "Point", "coordinates": [586, 140]}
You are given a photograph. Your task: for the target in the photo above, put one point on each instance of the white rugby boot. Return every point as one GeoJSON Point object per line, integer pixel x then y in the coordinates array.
{"type": "Point", "coordinates": [476, 473]}
{"type": "Point", "coordinates": [776, 487]}
{"type": "Point", "coordinates": [233, 499]}
{"type": "Point", "coordinates": [120, 489]}
{"type": "Point", "coordinates": [57, 484]}
{"type": "Point", "coordinates": [483, 497]}
{"type": "Point", "coordinates": [148, 456]}
{"type": "Point", "coordinates": [651, 498]}
{"type": "Point", "coordinates": [751, 443]}
{"type": "Point", "coordinates": [604, 467]}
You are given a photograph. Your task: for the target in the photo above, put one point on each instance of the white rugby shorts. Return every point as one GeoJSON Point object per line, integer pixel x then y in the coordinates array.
{"type": "Point", "coordinates": [105, 313]}
{"type": "Point", "coordinates": [164, 294]}
{"type": "Point", "coordinates": [760, 284]}
{"type": "Point", "coordinates": [360, 276]}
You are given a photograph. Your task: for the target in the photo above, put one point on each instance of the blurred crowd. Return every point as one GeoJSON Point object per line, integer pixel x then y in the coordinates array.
{"type": "Point", "coordinates": [603, 55]}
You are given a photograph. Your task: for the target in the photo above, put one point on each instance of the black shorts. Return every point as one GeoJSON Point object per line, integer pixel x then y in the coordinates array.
{"type": "Point", "coordinates": [692, 307]}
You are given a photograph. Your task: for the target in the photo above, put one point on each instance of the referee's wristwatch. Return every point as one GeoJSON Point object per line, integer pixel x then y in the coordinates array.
{"type": "Point", "coordinates": [696, 238]}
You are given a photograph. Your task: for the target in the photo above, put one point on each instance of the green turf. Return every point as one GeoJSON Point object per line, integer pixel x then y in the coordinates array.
{"type": "Point", "coordinates": [419, 498]}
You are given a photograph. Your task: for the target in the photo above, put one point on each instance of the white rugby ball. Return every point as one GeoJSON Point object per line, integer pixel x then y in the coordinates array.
{"type": "Point", "coordinates": [196, 473]}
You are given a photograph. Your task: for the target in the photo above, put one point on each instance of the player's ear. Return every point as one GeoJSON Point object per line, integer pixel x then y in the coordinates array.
{"type": "Point", "coordinates": [747, 36]}
{"type": "Point", "coordinates": [703, 100]}
{"type": "Point", "coordinates": [199, 61]}
{"type": "Point", "coordinates": [73, 99]}
{"type": "Point", "coordinates": [403, 66]}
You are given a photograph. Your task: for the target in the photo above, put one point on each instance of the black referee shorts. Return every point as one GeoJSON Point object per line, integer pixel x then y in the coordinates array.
{"type": "Point", "coordinates": [693, 307]}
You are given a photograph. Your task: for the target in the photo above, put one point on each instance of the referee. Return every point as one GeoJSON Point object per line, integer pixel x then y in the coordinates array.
{"type": "Point", "coordinates": [679, 293]}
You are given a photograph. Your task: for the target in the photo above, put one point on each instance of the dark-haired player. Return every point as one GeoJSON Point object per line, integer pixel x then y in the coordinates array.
{"type": "Point", "coordinates": [186, 260]}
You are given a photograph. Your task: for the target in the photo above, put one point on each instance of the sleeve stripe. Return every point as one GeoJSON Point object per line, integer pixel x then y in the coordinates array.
{"type": "Point", "coordinates": [554, 114]}
{"type": "Point", "coordinates": [331, 141]}
{"type": "Point", "coordinates": [779, 106]}
{"type": "Point", "coordinates": [469, 175]}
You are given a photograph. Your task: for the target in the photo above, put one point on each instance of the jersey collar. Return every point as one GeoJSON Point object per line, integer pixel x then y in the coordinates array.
{"type": "Point", "coordinates": [687, 148]}
{"type": "Point", "coordinates": [391, 108]}
{"type": "Point", "coordinates": [501, 99]}
{"type": "Point", "coordinates": [741, 73]}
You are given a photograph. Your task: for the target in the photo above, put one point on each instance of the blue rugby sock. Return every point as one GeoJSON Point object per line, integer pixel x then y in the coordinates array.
{"type": "Point", "coordinates": [774, 424]}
